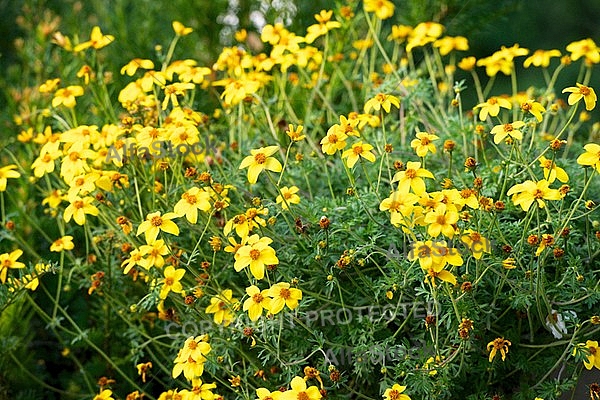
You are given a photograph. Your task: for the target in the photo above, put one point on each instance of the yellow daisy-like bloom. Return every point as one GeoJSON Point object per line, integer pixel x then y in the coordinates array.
{"type": "Point", "coordinates": [358, 150]}
{"type": "Point", "coordinates": [154, 253]}
{"type": "Point", "coordinates": [9, 261]}
{"type": "Point", "coordinates": [221, 306]}
{"type": "Point", "coordinates": [97, 40]}
{"type": "Point", "coordinates": [260, 160]}
{"type": "Point", "coordinates": [256, 254]}
{"type": "Point", "coordinates": [448, 43]}
{"type": "Point", "coordinates": [591, 157]}
{"type": "Point", "coordinates": [423, 144]}
{"type": "Point", "coordinates": [7, 172]}
{"type": "Point", "coordinates": [441, 221]}
{"type": "Point", "coordinates": [180, 29]}
{"type": "Point", "coordinates": [582, 92]}
{"type": "Point", "coordinates": [283, 295]}
{"type": "Point", "coordinates": [400, 205]}
{"type": "Point", "coordinates": [498, 344]}
{"type": "Point", "coordinates": [256, 302]}
{"type": "Point", "coordinates": [155, 223]}
{"type": "Point", "coordinates": [467, 63]}
{"type": "Point", "coordinates": [104, 395]}
{"type": "Point", "coordinates": [324, 25]}
{"type": "Point", "coordinates": [501, 131]}
{"type": "Point", "coordinates": [266, 394]}
{"type": "Point", "coordinates": [384, 9]}
{"type": "Point", "coordinates": [63, 243]}
{"type": "Point", "coordinates": [333, 141]}
{"type": "Point", "coordinates": [288, 196]}
{"type": "Point", "coordinates": [534, 108]}
{"type": "Point", "coordinates": [476, 243]}
{"type": "Point", "coordinates": [132, 66]}
{"type": "Point", "coordinates": [66, 96]}
{"type": "Point", "coordinates": [295, 134]}
{"type": "Point", "coordinates": [79, 208]}
{"type": "Point", "coordinates": [492, 106]}
{"type": "Point", "coordinates": [526, 193]}
{"type": "Point", "coordinates": [381, 100]}
{"type": "Point", "coordinates": [192, 200]}
{"type": "Point", "coordinates": [395, 393]}
{"type": "Point", "coordinates": [412, 178]}
{"type": "Point", "coordinates": [553, 171]}
{"type": "Point", "coordinates": [541, 58]}
{"type": "Point", "coordinates": [300, 391]}
{"type": "Point", "coordinates": [171, 281]}
{"type": "Point", "coordinates": [584, 48]}
{"type": "Point", "coordinates": [593, 359]}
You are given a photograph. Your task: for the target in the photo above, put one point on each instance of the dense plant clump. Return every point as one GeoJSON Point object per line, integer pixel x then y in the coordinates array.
{"type": "Point", "coordinates": [315, 215]}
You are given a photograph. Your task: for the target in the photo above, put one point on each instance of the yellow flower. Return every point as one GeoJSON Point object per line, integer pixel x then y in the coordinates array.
{"type": "Point", "coordinates": [501, 131]}
{"type": "Point", "coordinates": [477, 244]}
{"type": "Point", "coordinates": [553, 171]}
{"type": "Point", "coordinates": [171, 281]}
{"type": "Point", "coordinates": [295, 134]}
{"type": "Point", "coordinates": [104, 395]}
{"type": "Point", "coordinates": [155, 223]}
{"type": "Point", "coordinates": [358, 150]}
{"type": "Point", "coordinates": [9, 261]}
{"type": "Point", "coordinates": [448, 43]}
{"type": "Point", "coordinates": [257, 254]}
{"type": "Point", "coordinates": [79, 208]}
{"type": "Point", "coordinates": [423, 144]}
{"type": "Point", "coordinates": [260, 160]}
{"type": "Point", "coordinates": [467, 63]}
{"type": "Point", "coordinates": [283, 295]}
{"type": "Point", "coordinates": [173, 90]}
{"type": "Point", "coordinates": [534, 108]}
{"type": "Point", "coordinates": [132, 66]}
{"type": "Point", "coordinates": [541, 58]}
{"type": "Point", "coordinates": [400, 205]}
{"type": "Point", "coordinates": [412, 178]}
{"type": "Point", "coordinates": [584, 48]}
{"type": "Point", "coordinates": [155, 252]}
{"type": "Point", "coordinates": [325, 24]}
{"type": "Point", "coordinates": [180, 29]}
{"type": "Point", "coordinates": [524, 194]}
{"type": "Point", "coordinates": [591, 157]}
{"type": "Point", "coordinates": [288, 196]}
{"type": "Point", "coordinates": [395, 393]}
{"type": "Point", "coordinates": [192, 200]}
{"type": "Point", "coordinates": [582, 92]}
{"type": "Point", "coordinates": [66, 96]}
{"type": "Point", "coordinates": [381, 100]}
{"type": "Point", "coordinates": [384, 9]}
{"type": "Point", "coordinates": [593, 359]}
{"type": "Point", "coordinates": [256, 302]}
{"type": "Point", "coordinates": [266, 394]}
{"type": "Point", "coordinates": [221, 306]}
{"type": "Point", "coordinates": [63, 243]}
{"type": "Point", "coordinates": [333, 141]}
{"type": "Point", "coordinates": [97, 40]}
{"type": "Point", "coordinates": [498, 344]}
{"type": "Point", "coordinates": [442, 220]}
{"type": "Point", "coordinates": [7, 173]}
{"type": "Point", "coordinates": [492, 107]}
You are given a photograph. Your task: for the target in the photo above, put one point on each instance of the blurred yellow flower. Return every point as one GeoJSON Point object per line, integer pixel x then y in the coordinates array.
{"type": "Point", "coordinates": [66, 96]}
{"type": "Point", "coordinates": [492, 106]}
{"type": "Point", "coordinates": [7, 172]}
{"type": "Point", "coordinates": [63, 243]}
{"type": "Point", "coordinates": [584, 48]}
{"type": "Point", "coordinates": [591, 157]}
{"type": "Point", "coordinates": [541, 58]}
{"type": "Point", "coordinates": [180, 29]}
{"type": "Point", "coordinates": [384, 9]}
{"type": "Point", "coordinates": [97, 40]}
{"type": "Point", "coordinates": [582, 92]}
{"type": "Point", "coordinates": [9, 261]}
{"type": "Point", "coordinates": [381, 100]}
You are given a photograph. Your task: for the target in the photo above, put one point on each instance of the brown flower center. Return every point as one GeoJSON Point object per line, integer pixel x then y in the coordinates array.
{"type": "Point", "coordinates": [260, 158]}
{"type": "Point", "coordinates": [254, 254]}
